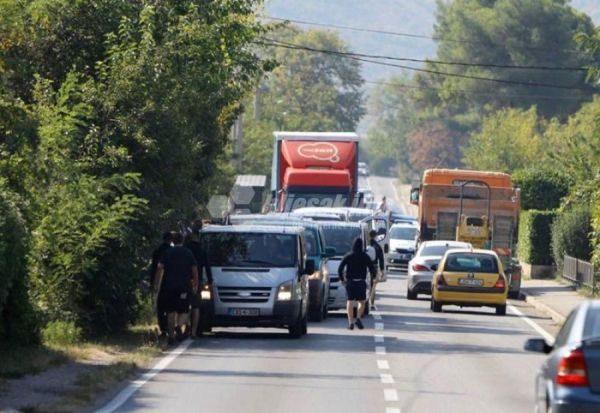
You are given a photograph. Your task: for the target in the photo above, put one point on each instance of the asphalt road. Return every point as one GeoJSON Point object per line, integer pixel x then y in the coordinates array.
{"type": "Point", "coordinates": [407, 359]}
{"type": "Point", "coordinates": [397, 194]}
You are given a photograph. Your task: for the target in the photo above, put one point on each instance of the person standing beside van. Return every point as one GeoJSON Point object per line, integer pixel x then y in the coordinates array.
{"type": "Point", "coordinates": [378, 262]}
{"type": "Point", "coordinates": [193, 244]}
{"type": "Point", "coordinates": [176, 271]}
{"type": "Point", "coordinates": [353, 271]}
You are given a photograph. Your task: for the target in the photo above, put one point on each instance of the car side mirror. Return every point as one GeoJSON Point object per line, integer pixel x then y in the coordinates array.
{"type": "Point", "coordinates": [309, 267]}
{"type": "Point", "coordinates": [537, 345]}
{"type": "Point", "coordinates": [330, 252]}
{"type": "Point", "coordinates": [414, 196]}
{"type": "Point", "coordinates": [434, 267]}
{"type": "Point", "coordinates": [386, 248]}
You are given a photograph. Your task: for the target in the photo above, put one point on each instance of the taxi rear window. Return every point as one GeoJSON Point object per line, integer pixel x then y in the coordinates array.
{"type": "Point", "coordinates": [471, 262]}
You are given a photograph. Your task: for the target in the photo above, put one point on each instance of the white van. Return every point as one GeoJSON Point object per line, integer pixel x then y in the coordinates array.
{"type": "Point", "coordinates": [260, 278]}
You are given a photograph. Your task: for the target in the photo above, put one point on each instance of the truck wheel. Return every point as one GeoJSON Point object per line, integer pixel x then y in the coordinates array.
{"type": "Point", "coordinates": [501, 310]}
{"type": "Point", "coordinates": [411, 295]}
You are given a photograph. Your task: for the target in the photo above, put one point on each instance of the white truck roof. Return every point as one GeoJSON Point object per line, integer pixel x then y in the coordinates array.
{"type": "Point", "coordinates": [317, 136]}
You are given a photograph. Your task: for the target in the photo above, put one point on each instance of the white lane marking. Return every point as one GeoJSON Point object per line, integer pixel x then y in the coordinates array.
{"type": "Point", "coordinates": [390, 395]}
{"type": "Point", "coordinates": [547, 336]}
{"type": "Point", "coordinates": [383, 365]}
{"type": "Point", "coordinates": [379, 338]}
{"type": "Point", "coordinates": [392, 410]}
{"type": "Point", "coordinates": [134, 386]}
{"type": "Point", "coordinates": [379, 326]}
{"type": "Point", "coordinates": [380, 350]}
{"type": "Point", "coordinates": [386, 378]}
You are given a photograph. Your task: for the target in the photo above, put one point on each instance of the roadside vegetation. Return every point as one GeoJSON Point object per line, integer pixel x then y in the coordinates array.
{"type": "Point", "coordinates": [114, 123]}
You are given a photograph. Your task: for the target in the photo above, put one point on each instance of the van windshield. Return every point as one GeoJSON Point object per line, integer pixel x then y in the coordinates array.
{"type": "Point", "coordinates": [237, 249]}
{"type": "Point", "coordinates": [340, 237]}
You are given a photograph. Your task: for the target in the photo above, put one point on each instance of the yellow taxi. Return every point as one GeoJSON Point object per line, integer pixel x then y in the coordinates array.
{"type": "Point", "coordinates": [470, 278]}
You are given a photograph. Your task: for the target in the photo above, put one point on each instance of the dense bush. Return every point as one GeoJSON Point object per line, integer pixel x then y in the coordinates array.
{"type": "Point", "coordinates": [571, 235]}
{"type": "Point", "coordinates": [535, 237]}
{"type": "Point", "coordinates": [17, 317]}
{"type": "Point", "coordinates": [62, 333]}
{"type": "Point", "coordinates": [541, 189]}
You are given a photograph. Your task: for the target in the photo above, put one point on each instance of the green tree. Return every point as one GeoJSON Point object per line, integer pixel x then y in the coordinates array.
{"type": "Point", "coordinates": [394, 119]}
{"type": "Point", "coordinates": [510, 139]}
{"type": "Point", "coordinates": [307, 91]}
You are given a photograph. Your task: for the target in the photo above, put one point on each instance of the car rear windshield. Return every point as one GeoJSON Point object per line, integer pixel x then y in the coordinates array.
{"type": "Point", "coordinates": [403, 233]}
{"type": "Point", "coordinates": [237, 249]}
{"type": "Point", "coordinates": [592, 323]}
{"type": "Point", "coordinates": [471, 262]}
{"type": "Point", "coordinates": [340, 238]}
{"type": "Point", "coordinates": [436, 250]}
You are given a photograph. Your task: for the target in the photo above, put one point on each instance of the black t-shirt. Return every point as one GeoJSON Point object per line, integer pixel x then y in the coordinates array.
{"type": "Point", "coordinates": [201, 258]}
{"type": "Point", "coordinates": [178, 262]}
{"type": "Point", "coordinates": [355, 266]}
{"type": "Point", "coordinates": [157, 256]}
{"type": "Point", "coordinates": [378, 254]}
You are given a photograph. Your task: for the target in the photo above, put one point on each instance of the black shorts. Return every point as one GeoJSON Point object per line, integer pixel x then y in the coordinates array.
{"type": "Point", "coordinates": [356, 290]}
{"type": "Point", "coordinates": [194, 300]}
{"type": "Point", "coordinates": [174, 301]}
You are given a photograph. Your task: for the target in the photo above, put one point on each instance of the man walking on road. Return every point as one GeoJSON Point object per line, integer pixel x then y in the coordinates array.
{"type": "Point", "coordinates": [378, 262]}
{"type": "Point", "coordinates": [382, 207]}
{"type": "Point", "coordinates": [157, 256]}
{"type": "Point", "coordinates": [193, 244]}
{"type": "Point", "coordinates": [177, 272]}
{"type": "Point", "coordinates": [353, 272]}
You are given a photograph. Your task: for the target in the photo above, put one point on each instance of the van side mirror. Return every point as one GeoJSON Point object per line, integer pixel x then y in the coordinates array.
{"type": "Point", "coordinates": [309, 267]}
{"type": "Point", "coordinates": [330, 252]}
{"type": "Point", "coordinates": [537, 345]}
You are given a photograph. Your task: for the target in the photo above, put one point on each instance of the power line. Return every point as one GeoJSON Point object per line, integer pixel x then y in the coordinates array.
{"type": "Point", "coordinates": [404, 34]}
{"type": "Point", "coordinates": [447, 63]}
{"type": "Point", "coordinates": [356, 57]}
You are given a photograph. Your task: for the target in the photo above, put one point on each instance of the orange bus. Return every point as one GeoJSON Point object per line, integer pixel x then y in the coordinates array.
{"type": "Point", "coordinates": [439, 200]}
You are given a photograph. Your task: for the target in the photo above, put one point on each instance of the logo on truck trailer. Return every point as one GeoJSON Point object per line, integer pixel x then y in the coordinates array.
{"type": "Point", "coordinates": [321, 151]}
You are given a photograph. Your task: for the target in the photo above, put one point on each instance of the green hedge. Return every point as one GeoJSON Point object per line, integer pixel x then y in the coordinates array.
{"type": "Point", "coordinates": [571, 235]}
{"type": "Point", "coordinates": [541, 189]}
{"type": "Point", "coordinates": [535, 238]}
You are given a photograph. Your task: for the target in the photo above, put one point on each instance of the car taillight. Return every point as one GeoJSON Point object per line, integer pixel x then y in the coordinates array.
{"type": "Point", "coordinates": [441, 280]}
{"type": "Point", "coordinates": [419, 267]}
{"type": "Point", "coordinates": [572, 370]}
{"type": "Point", "coordinates": [501, 283]}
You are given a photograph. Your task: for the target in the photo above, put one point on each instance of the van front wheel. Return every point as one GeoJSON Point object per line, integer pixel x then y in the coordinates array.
{"type": "Point", "coordinates": [295, 330]}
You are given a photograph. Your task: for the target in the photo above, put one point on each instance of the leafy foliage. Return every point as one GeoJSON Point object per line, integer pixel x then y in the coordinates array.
{"type": "Point", "coordinates": [534, 244]}
{"type": "Point", "coordinates": [308, 92]}
{"type": "Point", "coordinates": [571, 235]}
{"type": "Point", "coordinates": [541, 189]}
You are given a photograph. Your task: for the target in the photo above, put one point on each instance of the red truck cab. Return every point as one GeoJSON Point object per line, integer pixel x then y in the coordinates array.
{"type": "Point", "coordinates": [314, 169]}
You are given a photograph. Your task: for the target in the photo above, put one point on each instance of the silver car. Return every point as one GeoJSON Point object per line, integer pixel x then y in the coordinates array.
{"type": "Point", "coordinates": [569, 380]}
{"type": "Point", "coordinates": [424, 264]}
{"type": "Point", "coordinates": [260, 278]}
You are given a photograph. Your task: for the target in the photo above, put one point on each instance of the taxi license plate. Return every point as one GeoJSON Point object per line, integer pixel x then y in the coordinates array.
{"type": "Point", "coordinates": [244, 312]}
{"type": "Point", "coordinates": [470, 282]}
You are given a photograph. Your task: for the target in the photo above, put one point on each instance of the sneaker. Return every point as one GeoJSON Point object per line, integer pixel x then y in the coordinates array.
{"type": "Point", "coordinates": [359, 324]}
{"type": "Point", "coordinates": [351, 326]}
{"type": "Point", "coordinates": [373, 307]}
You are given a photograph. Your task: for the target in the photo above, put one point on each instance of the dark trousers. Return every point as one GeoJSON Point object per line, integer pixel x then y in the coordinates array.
{"type": "Point", "coordinates": [161, 315]}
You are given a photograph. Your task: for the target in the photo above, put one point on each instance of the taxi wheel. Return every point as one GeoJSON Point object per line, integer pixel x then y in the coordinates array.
{"type": "Point", "coordinates": [501, 310]}
{"type": "Point", "coordinates": [411, 295]}
{"type": "Point", "coordinates": [435, 306]}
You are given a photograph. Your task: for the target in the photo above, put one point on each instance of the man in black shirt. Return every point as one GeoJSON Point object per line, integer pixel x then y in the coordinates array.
{"type": "Point", "coordinates": [193, 244]}
{"type": "Point", "coordinates": [157, 255]}
{"type": "Point", "coordinates": [353, 273]}
{"type": "Point", "coordinates": [379, 259]}
{"type": "Point", "coordinates": [177, 272]}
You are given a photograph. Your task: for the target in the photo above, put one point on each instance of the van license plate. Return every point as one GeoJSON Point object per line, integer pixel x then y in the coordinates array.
{"type": "Point", "coordinates": [470, 282]}
{"type": "Point", "coordinates": [244, 312]}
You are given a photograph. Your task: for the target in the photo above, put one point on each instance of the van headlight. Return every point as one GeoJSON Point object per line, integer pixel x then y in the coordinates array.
{"type": "Point", "coordinates": [284, 292]}
{"type": "Point", "coordinates": [205, 294]}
